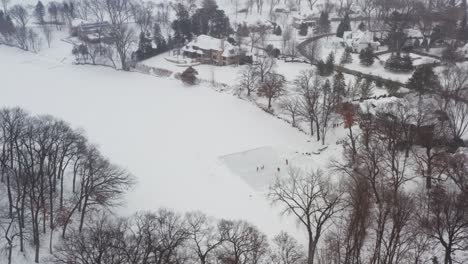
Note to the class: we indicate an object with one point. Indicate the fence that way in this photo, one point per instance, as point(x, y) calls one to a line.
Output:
point(152, 70)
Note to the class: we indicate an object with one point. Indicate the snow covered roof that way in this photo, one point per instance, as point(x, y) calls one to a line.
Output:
point(464, 49)
point(205, 42)
point(77, 21)
point(358, 37)
point(413, 33)
point(402, 106)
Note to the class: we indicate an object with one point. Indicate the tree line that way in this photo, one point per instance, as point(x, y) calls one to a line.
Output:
point(51, 176)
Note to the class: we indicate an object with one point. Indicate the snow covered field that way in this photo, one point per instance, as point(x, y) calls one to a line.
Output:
point(168, 135)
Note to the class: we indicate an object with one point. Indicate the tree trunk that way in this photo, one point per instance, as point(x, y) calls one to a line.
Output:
point(311, 249)
point(83, 212)
point(317, 128)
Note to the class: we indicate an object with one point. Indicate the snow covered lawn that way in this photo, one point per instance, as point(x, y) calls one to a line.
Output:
point(378, 69)
point(168, 135)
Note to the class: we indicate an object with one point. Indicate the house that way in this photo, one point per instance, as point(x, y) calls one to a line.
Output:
point(422, 129)
point(210, 50)
point(298, 20)
point(359, 40)
point(413, 37)
point(92, 32)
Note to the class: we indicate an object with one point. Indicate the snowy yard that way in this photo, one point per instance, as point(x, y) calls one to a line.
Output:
point(378, 69)
point(168, 135)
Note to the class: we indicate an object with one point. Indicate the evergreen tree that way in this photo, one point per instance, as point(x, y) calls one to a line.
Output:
point(324, 25)
point(53, 11)
point(366, 56)
point(450, 55)
point(219, 25)
point(397, 63)
point(392, 87)
point(346, 58)
point(321, 68)
point(6, 24)
point(329, 65)
point(209, 4)
point(189, 76)
point(145, 48)
point(278, 31)
point(159, 40)
point(344, 25)
point(39, 12)
point(211, 21)
point(303, 29)
point(424, 79)
point(182, 26)
point(243, 30)
point(362, 26)
point(339, 85)
point(366, 88)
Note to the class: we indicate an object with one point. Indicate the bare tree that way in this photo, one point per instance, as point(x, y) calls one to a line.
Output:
point(312, 198)
point(457, 113)
point(48, 33)
point(286, 250)
point(204, 236)
point(453, 80)
point(248, 79)
point(308, 86)
point(10, 231)
point(244, 243)
point(97, 243)
point(447, 220)
point(272, 87)
point(312, 4)
point(264, 66)
point(119, 13)
point(292, 108)
point(312, 52)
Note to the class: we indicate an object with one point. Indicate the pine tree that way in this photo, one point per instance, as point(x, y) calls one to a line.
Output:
point(145, 49)
point(423, 80)
point(189, 76)
point(366, 56)
point(159, 40)
point(391, 87)
point(346, 58)
point(339, 85)
point(39, 12)
point(450, 55)
point(329, 65)
point(209, 4)
point(278, 31)
point(324, 25)
point(303, 29)
point(182, 25)
point(344, 25)
point(362, 26)
point(322, 68)
point(397, 63)
point(366, 88)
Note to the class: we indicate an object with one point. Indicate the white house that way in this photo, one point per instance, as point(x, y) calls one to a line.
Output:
point(210, 50)
point(359, 40)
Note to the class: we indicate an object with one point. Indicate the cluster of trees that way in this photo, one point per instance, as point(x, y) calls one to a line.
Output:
point(254, 76)
point(51, 178)
point(206, 20)
point(326, 68)
point(146, 49)
point(447, 88)
point(398, 63)
point(165, 236)
point(366, 56)
point(398, 196)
